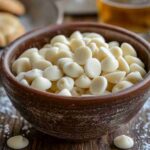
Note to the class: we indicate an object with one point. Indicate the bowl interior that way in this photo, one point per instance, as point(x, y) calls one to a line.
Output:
point(40, 37)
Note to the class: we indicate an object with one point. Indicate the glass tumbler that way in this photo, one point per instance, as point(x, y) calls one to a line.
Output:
point(133, 15)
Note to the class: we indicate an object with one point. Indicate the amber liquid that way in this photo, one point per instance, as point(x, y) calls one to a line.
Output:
point(131, 14)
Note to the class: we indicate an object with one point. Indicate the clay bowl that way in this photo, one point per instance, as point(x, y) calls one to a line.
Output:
point(75, 118)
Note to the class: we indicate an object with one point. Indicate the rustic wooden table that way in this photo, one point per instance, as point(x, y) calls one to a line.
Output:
point(11, 123)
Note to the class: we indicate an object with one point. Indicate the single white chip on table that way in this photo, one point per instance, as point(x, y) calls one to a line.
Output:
point(82, 64)
point(123, 142)
point(17, 142)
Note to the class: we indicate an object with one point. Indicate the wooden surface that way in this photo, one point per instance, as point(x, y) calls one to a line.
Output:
point(11, 123)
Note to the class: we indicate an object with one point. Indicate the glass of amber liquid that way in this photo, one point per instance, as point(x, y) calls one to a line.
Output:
point(133, 15)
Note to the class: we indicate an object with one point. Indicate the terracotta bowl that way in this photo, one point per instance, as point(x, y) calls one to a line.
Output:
point(75, 118)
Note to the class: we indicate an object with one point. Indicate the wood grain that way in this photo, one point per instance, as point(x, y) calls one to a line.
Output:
point(11, 123)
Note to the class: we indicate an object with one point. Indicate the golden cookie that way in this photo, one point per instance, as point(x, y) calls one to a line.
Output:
point(12, 6)
point(10, 28)
point(2, 40)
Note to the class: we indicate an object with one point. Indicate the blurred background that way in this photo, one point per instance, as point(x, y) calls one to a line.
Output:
point(133, 15)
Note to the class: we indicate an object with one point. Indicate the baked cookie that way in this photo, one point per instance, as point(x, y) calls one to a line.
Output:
point(10, 28)
point(12, 6)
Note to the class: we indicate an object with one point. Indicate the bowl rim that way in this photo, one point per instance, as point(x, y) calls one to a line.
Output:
point(144, 84)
